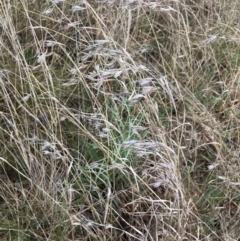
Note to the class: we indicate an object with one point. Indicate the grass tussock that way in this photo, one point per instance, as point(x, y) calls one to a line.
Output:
point(119, 120)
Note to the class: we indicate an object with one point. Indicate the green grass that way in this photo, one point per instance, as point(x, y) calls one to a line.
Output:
point(119, 120)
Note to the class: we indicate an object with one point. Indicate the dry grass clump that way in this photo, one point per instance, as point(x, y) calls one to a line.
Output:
point(119, 120)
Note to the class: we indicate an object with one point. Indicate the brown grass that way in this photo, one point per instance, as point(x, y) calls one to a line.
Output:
point(119, 120)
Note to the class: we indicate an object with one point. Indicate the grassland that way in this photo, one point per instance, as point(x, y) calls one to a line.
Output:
point(119, 120)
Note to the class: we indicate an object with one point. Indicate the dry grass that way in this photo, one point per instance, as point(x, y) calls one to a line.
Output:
point(119, 120)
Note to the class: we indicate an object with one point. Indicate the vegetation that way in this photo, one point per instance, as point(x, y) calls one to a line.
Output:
point(119, 120)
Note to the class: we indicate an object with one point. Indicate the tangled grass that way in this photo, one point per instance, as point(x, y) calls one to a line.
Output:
point(119, 120)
